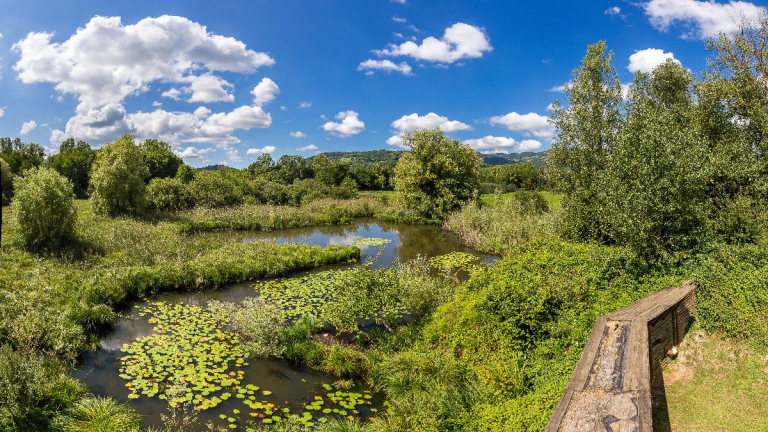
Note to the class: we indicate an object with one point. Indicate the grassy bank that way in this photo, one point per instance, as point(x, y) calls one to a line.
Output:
point(715, 384)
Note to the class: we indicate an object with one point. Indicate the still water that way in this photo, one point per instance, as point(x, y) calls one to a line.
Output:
point(290, 385)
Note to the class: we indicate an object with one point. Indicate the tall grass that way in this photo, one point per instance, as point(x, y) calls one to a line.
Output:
point(498, 228)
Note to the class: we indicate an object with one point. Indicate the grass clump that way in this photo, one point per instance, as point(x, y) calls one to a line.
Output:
point(499, 228)
point(100, 415)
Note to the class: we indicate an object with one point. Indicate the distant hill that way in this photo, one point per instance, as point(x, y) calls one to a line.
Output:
point(363, 157)
point(505, 159)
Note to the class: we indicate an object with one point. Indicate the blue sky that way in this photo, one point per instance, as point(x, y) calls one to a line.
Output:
point(225, 81)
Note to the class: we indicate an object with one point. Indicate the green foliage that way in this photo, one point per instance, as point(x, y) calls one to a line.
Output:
point(586, 127)
point(531, 202)
point(74, 162)
point(515, 176)
point(43, 206)
point(100, 415)
point(118, 178)
point(212, 189)
point(33, 390)
point(21, 156)
point(185, 173)
point(327, 171)
point(290, 168)
point(263, 165)
point(6, 183)
point(438, 175)
point(502, 226)
point(161, 161)
point(168, 194)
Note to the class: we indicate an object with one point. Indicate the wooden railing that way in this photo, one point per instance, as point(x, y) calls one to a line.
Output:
point(611, 387)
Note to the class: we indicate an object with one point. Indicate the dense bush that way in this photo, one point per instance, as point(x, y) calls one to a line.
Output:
point(261, 324)
point(514, 176)
point(74, 161)
point(6, 183)
point(33, 390)
point(168, 194)
point(118, 178)
point(211, 189)
point(531, 202)
point(21, 156)
point(438, 175)
point(44, 208)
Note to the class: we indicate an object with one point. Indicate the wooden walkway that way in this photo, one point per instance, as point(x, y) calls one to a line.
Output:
point(610, 389)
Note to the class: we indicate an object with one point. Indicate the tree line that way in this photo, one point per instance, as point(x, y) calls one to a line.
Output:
point(681, 164)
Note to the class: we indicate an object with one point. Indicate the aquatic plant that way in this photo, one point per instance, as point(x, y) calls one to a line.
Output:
point(454, 261)
point(371, 241)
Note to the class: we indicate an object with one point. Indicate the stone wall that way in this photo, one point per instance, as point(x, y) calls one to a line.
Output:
point(610, 389)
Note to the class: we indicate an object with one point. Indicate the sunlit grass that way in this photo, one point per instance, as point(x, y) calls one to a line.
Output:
point(553, 199)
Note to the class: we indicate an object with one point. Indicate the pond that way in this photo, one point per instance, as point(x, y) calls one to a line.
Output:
point(253, 390)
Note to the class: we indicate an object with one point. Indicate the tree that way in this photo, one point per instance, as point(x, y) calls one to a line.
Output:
point(161, 161)
point(185, 174)
point(6, 183)
point(74, 162)
point(21, 156)
point(263, 165)
point(655, 183)
point(44, 208)
point(118, 178)
point(437, 175)
point(291, 168)
point(586, 127)
point(327, 171)
point(733, 115)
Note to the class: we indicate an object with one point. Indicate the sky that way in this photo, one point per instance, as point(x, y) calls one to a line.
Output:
point(226, 81)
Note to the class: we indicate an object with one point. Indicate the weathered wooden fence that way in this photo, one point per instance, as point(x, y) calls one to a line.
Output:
point(610, 389)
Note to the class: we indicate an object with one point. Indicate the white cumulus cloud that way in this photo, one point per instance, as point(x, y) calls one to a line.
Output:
point(700, 19)
point(615, 10)
point(531, 124)
point(265, 149)
point(2, 110)
point(264, 92)
point(106, 61)
point(493, 144)
point(307, 148)
point(460, 41)
point(28, 127)
point(412, 122)
point(193, 153)
point(386, 66)
point(305, 104)
point(646, 60)
point(350, 124)
point(298, 134)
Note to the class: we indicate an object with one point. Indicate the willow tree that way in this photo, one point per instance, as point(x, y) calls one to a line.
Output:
point(586, 124)
point(438, 174)
point(118, 178)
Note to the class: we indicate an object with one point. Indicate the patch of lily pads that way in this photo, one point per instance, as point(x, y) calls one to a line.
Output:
point(193, 359)
point(305, 296)
point(455, 261)
point(371, 241)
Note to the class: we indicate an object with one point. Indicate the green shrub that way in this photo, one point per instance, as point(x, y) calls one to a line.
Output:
point(117, 178)
point(185, 174)
point(100, 415)
point(342, 360)
point(168, 194)
point(33, 390)
point(531, 202)
point(6, 183)
point(44, 208)
point(211, 189)
point(268, 192)
point(161, 161)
